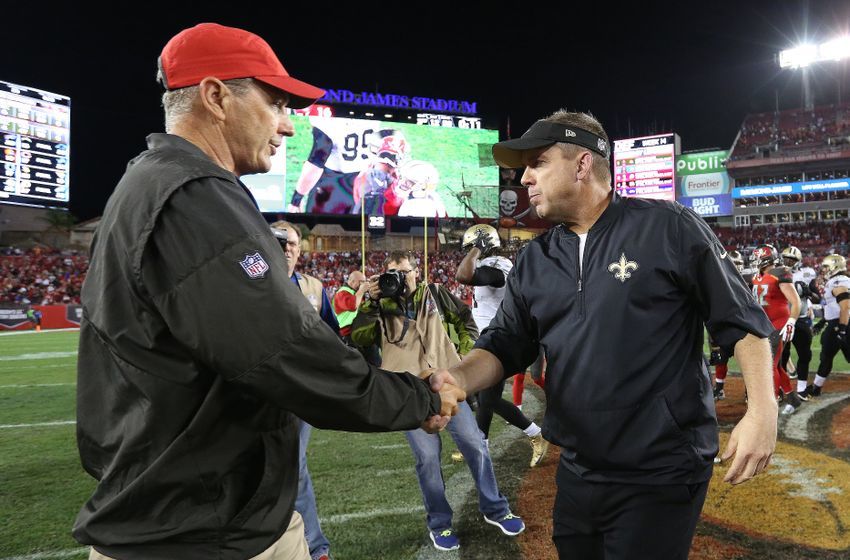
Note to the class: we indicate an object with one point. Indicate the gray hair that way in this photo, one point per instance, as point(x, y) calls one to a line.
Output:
point(178, 102)
point(600, 165)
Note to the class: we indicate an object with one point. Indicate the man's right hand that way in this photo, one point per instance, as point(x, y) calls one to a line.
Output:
point(450, 396)
point(374, 289)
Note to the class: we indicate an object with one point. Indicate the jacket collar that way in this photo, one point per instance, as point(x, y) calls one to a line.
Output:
point(165, 141)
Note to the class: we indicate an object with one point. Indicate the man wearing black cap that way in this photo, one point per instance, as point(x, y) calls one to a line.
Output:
point(618, 293)
point(197, 352)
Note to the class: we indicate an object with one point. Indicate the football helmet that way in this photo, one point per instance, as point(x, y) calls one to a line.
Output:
point(415, 175)
point(394, 150)
point(737, 259)
point(792, 256)
point(765, 256)
point(832, 265)
point(472, 234)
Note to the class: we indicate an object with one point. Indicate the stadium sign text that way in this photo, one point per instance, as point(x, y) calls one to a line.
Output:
point(394, 101)
point(792, 188)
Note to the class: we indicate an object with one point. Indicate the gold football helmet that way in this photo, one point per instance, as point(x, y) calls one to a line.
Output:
point(792, 256)
point(471, 235)
point(832, 265)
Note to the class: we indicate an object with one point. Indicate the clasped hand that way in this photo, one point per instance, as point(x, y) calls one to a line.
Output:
point(451, 395)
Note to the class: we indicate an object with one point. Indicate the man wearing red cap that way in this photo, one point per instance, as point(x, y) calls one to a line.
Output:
point(197, 352)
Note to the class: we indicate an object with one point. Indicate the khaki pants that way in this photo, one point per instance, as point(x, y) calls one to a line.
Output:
point(291, 546)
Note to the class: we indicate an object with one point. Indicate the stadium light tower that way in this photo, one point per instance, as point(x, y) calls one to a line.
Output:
point(807, 54)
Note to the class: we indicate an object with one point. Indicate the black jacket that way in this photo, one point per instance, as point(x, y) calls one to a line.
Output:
point(196, 353)
point(628, 395)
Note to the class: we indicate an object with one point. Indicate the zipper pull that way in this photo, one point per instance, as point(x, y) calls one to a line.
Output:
point(579, 284)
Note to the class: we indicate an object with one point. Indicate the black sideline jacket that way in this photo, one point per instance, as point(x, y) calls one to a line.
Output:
point(197, 352)
point(628, 395)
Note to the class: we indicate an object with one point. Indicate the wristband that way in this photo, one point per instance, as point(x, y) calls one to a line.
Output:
point(297, 197)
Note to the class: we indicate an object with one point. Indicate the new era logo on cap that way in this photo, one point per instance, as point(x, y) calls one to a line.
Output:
point(569, 133)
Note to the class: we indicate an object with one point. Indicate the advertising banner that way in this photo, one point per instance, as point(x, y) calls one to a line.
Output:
point(703, 184)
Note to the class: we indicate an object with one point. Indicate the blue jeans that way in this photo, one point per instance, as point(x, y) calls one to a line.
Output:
point(305, 503)
point(427, 449)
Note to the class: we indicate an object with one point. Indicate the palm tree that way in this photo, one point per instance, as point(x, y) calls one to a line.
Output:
point(59, 220)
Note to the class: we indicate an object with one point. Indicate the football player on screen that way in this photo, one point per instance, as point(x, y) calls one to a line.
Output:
point(342, 149)
point(773, 288)
point(417, 189)
point(374, 184)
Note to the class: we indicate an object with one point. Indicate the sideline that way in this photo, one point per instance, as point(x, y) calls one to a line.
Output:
point(18, 333)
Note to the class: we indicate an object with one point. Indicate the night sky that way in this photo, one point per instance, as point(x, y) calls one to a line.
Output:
point(695, 68)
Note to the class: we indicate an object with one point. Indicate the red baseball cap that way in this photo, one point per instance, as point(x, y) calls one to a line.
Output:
point(227, 53)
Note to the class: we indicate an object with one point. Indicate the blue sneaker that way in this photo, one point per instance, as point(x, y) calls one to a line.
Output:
point(444, 540)
point(511, 525)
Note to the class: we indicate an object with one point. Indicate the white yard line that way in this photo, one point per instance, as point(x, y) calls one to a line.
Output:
point(36, 385)
point(39, 356)
point(50, 554)
point(19, 333)
point(797, 426)
point(38, 425)
point(345, 517)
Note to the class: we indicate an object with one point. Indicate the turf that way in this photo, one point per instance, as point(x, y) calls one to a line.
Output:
point(367, 492)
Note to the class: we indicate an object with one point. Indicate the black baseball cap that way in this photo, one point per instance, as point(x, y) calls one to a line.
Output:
point(545, 133)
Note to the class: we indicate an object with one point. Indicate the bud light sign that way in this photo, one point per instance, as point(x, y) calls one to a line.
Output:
point(702, 183)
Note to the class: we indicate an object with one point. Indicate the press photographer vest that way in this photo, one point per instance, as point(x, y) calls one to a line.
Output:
point(312, 290)
point(423, 344)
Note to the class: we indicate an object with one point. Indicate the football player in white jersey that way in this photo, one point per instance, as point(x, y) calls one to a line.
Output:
point(804, 283)
point(342, 148)
point(836, 312)
point(417, 187)
point(488, 272)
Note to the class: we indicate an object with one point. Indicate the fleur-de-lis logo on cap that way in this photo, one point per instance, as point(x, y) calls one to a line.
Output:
point(621, 269)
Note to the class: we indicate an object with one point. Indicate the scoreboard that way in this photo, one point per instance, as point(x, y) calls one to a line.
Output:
point(645, 167)
point(35, 132)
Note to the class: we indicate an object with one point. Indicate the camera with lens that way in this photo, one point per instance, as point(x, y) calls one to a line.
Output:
point(392, 284)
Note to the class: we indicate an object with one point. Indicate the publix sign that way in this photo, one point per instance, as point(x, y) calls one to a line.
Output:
point(703, 184)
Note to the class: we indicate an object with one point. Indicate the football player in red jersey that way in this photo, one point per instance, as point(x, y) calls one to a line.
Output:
point(773, 288)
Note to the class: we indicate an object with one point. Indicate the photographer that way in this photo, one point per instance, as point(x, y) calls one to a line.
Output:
point(421, 326)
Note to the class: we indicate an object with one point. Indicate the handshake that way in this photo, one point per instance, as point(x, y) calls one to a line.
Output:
point(451, 395)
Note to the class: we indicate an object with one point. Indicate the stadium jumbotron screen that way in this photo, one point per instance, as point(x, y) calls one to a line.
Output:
point(644, 167)
point(392, 168)
point(35, 132)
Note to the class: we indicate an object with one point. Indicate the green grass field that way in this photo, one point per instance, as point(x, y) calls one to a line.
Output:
point(367, 492)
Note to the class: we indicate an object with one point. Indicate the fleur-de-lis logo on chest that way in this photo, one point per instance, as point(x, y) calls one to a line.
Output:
point(621, 269)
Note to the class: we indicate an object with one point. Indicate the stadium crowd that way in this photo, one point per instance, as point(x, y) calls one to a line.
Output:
point(814, 239)
point(41, 276)
point(793, 130)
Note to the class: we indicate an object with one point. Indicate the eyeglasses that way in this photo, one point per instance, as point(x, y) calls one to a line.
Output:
point(400, 270)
